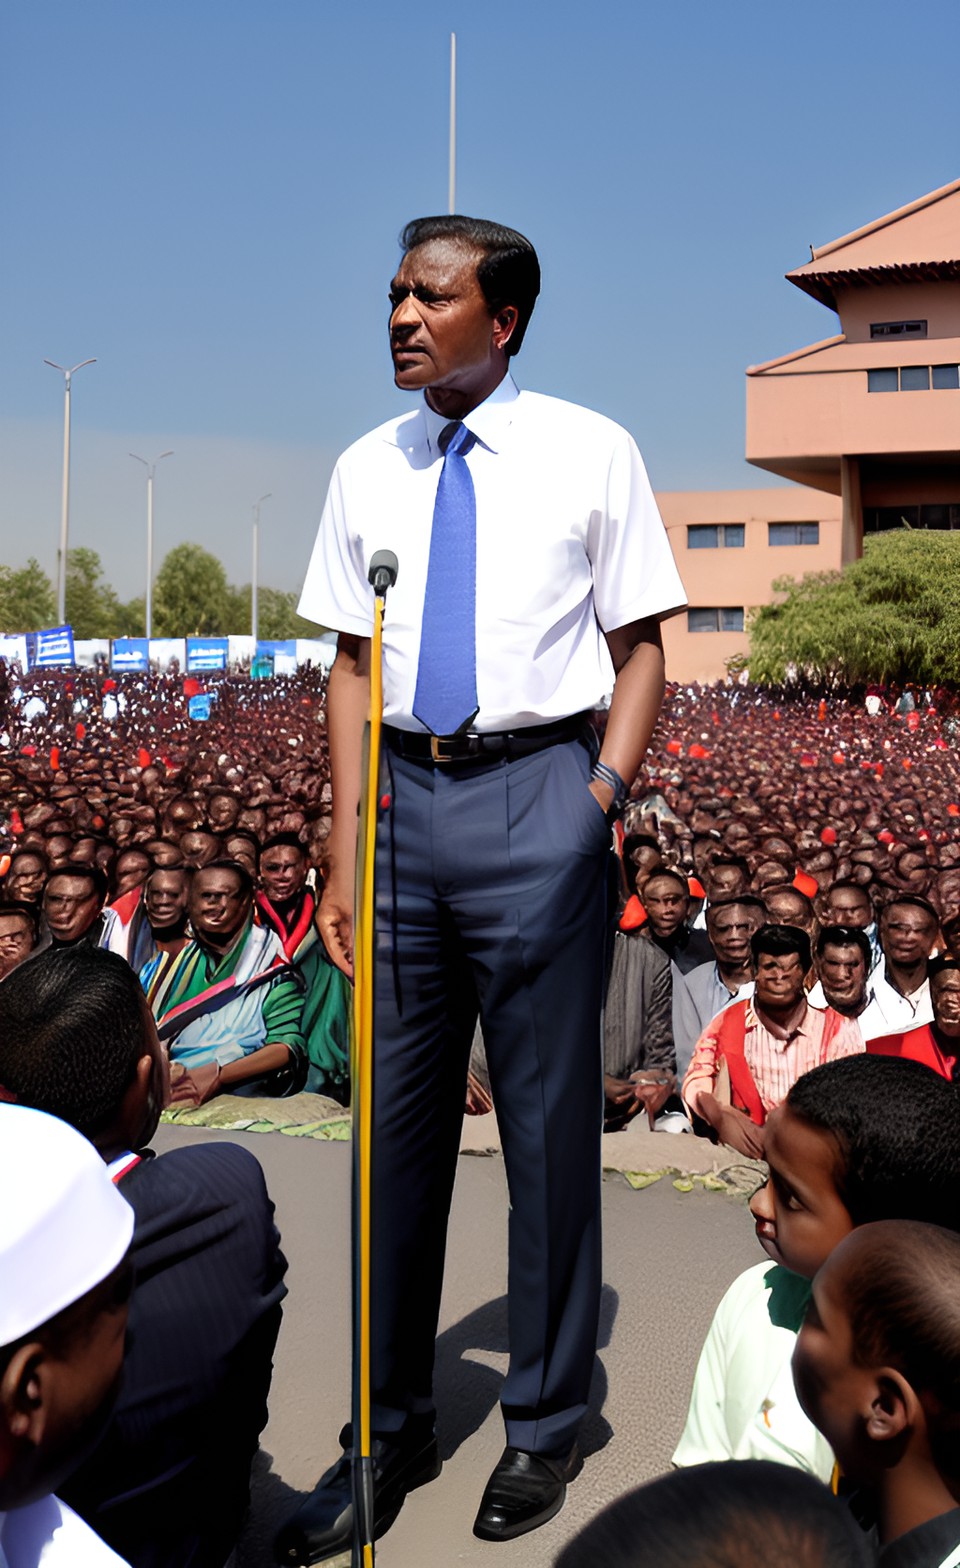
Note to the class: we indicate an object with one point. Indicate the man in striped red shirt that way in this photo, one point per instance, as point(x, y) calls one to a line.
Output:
point(750, 1055)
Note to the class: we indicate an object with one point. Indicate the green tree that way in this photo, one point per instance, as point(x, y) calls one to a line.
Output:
point(190, 596)
point(892, 616)
point(93, 609)
point(277, 617)
point(27, 602)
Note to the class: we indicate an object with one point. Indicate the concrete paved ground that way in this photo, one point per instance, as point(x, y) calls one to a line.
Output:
point(668, 1257)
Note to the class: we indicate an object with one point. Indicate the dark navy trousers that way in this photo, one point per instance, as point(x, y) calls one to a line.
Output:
point(491, 897)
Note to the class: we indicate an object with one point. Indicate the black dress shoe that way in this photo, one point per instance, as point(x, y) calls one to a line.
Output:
point(323, 1525)
point(524, 1491)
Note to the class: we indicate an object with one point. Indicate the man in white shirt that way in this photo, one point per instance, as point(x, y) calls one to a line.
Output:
point(899, 991)
point(65, 1276)
point(493, 837)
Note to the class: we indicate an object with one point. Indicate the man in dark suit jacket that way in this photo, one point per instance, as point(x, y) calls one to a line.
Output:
point(167, 1485)
point(639, 1060)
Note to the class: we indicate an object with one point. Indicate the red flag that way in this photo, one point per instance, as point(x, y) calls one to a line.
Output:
point(80, 730)
point(54, 757)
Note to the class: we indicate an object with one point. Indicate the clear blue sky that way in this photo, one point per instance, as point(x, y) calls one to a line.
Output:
point(206, 194)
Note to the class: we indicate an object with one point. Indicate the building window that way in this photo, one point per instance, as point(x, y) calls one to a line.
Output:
point(898, 329)
point(914, 378)
point(726, 619)
point(715, 536)
point(793, 533)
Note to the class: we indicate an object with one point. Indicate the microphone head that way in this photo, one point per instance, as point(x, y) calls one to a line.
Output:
point(383, 571)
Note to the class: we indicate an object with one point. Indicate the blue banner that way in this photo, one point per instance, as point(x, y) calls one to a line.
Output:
point(53, 647)
point(199, 707)
point(206, 653)
point(130, 653)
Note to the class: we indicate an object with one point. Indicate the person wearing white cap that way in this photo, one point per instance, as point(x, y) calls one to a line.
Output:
point(65, 1234)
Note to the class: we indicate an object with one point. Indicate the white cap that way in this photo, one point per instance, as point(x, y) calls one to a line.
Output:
point(63, 1225)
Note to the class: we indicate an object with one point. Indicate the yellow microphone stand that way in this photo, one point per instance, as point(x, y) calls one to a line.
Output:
point(382, 575)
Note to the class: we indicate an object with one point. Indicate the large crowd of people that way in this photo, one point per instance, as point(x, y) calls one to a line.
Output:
point(783, 978)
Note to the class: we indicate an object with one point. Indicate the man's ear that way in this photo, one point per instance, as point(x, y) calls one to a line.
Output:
point(504, 324)
point(24, 1394)
point(893, 1408)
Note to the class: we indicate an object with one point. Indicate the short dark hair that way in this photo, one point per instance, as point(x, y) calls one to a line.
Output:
point(735, 1513)
point(675, 876)
point(71, 1034)
point(284, 841)
point(508, 273)
point(89, 870)
point(247, 836)
point(845, 936)
point(935, 966)
point(735, 900)
point(779, 942)
point(896, 1128)
point(900, 1288)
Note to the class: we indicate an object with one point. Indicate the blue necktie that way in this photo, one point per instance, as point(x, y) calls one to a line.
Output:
point(446, 696)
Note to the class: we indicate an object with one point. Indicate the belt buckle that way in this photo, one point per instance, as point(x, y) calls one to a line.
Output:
point(436, 754)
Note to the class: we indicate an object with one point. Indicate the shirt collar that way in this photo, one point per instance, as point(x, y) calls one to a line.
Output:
point(796, 1024)
point(489, 421)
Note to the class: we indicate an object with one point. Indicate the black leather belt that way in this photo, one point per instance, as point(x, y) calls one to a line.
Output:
point(479, 747)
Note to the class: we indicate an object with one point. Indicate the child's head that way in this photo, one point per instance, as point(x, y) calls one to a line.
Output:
point(877, 1362)
point(64, 1282)
point(745, 1513)
point(860, 1139)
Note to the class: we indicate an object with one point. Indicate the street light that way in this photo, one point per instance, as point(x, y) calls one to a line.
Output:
point(65, 508)
point(151, 470)
point(256, 568)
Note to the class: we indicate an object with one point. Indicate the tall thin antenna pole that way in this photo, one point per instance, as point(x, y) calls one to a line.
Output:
point(452, 195)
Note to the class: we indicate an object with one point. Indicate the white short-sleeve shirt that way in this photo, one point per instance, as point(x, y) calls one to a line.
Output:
point(570, 543)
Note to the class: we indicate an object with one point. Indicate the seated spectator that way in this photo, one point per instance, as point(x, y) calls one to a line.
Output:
point(229, 1005)
point(64, 1242)
point(900, 998)
point(287, 905)
point(877, 1367)
point(744, 1514)
point(666, 899)
point(638, 1057)
point(843, 968)
point(857, 1140)
point(748, 1057)
point(18, 935)
point(168, 1482)
point(24, 882)
point(153, 918)
point(848, 904)
point(936, 1044)
point(711, 987)
point(73, 909)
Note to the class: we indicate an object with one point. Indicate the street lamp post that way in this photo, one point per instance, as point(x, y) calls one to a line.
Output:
point(256, 568)
point(151, 470)
point(65, 506)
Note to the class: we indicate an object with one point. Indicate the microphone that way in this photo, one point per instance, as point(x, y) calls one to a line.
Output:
point(383, 572)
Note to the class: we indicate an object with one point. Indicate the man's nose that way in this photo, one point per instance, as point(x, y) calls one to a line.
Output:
point(761, 1204)
point(405, 318)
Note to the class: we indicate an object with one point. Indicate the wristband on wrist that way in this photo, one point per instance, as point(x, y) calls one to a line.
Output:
point(608, 775)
